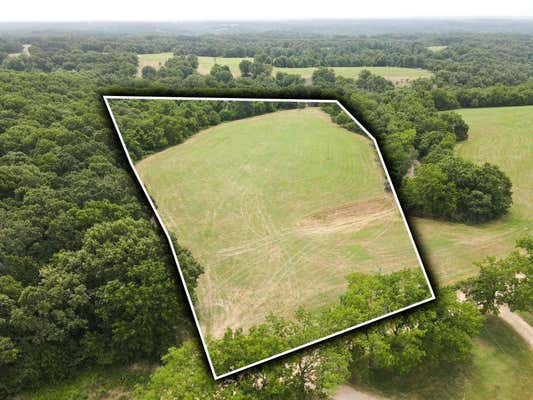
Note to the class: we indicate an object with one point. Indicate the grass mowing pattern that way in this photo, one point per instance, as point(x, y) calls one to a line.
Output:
point(279, 209)
point(502, 136)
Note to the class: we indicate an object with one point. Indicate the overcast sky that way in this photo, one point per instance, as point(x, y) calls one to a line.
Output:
point(190, 10)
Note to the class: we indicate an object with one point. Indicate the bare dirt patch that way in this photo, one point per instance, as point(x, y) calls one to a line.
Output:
point(350, 216)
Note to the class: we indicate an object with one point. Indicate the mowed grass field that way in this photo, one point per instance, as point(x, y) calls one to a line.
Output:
point(398, 75)
point(278, 208)
point(503, 136)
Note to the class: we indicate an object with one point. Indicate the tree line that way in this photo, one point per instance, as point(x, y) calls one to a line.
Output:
point(151, 126)
point(430, 337)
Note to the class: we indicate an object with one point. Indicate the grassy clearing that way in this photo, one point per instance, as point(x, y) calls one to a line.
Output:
point(156, 60)
point(206, 63)
point(398, 75)
point(279, 209)
point(114, 383)
point(436, 49)
point(25, 51)
point(502, 136)
point(501, 368)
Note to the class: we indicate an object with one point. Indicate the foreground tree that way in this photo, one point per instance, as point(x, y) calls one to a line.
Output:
point(504, 281)
point(311, 374)
point(457, 189)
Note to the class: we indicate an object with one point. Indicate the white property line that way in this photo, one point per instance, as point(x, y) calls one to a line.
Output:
point(432, 297)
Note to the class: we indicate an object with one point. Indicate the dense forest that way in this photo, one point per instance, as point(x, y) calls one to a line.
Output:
point(86, 278)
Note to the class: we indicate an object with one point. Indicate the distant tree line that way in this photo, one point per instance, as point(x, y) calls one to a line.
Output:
point(468, 60)
point(491, 96)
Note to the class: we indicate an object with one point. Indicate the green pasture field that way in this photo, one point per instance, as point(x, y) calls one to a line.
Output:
point(503, 136)
point(398, 75)
point(278, 208)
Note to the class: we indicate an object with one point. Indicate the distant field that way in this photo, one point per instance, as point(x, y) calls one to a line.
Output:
point(279, 209)
point(503, 136)
point(398, 75)
point(206, 63)
point(156, 60)
point(25, 51)
point(436, 49)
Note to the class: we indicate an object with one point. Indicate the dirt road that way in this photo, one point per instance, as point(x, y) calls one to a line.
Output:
point(518, 323)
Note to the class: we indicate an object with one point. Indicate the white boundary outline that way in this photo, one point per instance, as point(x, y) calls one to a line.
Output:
point(215, 376)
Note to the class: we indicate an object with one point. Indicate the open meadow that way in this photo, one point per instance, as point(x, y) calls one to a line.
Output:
point(502, 136)
point(398, 75)
point(278, 208)
point(206, 63)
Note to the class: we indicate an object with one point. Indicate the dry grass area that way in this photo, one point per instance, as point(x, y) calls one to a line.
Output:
point(155, 60)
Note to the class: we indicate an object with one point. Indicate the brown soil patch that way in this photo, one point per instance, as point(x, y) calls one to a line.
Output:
point(350, 216)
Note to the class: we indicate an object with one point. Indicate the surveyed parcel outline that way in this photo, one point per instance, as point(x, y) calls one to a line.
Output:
point(175, 257)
